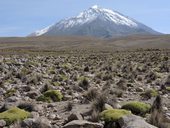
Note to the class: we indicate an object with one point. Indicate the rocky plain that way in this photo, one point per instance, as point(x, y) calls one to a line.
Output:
point(118, 89)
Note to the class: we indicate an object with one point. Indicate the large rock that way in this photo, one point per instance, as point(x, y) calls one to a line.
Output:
point(107, 107)
point(41, 122)
point(132, 121)
point(82, 124)
point(74, 116)
point(2, 123)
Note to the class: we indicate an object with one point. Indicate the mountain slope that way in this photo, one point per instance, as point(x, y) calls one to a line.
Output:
point(98, 22)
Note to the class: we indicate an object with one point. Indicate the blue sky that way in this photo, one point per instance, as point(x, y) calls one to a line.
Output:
point(22, 17)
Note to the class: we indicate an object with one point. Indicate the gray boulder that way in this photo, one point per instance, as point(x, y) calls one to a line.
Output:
point(41, 122)
point(74, 116)
point(82, 124)
point(132, 121)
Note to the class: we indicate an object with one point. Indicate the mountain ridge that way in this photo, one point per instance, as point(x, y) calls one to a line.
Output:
point(97, 22)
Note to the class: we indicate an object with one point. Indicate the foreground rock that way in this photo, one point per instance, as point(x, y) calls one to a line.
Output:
point(2, 123)
point(132, 121)
point(74, 116)
point(41, 122)
point(82, 124)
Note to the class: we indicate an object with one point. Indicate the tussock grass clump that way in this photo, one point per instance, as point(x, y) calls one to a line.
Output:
point(95, 116)
point(10, 92)
point(27, 106)
point(14, 114)
point(44, 99)
point(112, 115)
point(44, 88)
point(51, 96)
point(34, 79)
point(69, 106)
point(97, 107)
point(151, 76)
point(122, 84)
point(84, 83)
point(137, 108)
point(91, 94)
point(99, 103)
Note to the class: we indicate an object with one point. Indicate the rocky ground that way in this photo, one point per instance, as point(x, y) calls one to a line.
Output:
point(78, 89)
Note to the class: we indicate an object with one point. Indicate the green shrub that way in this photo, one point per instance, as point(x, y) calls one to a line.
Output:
point(137, 108)
point(150, 93)
point(51, 95)
point(44, 99)
point(113, 115)
point(14, 114)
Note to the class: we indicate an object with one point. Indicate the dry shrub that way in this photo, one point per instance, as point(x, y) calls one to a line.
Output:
point(69, 106)
point(91, 94)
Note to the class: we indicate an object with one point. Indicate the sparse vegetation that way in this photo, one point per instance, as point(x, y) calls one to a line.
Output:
point(98, 103)
point(91, 94)
point(10, 92)
point(51, 96)
point(86, 83)
point(137, 108)
point(14, 114)
point(113, 115)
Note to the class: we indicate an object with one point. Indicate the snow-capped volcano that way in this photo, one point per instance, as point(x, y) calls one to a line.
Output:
point(96, 21)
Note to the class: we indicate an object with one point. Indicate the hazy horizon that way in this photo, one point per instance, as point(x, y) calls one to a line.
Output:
point(20, 18)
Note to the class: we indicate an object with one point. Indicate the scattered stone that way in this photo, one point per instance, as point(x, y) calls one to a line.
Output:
point(74, 116)
point(41, 122)
point(140, 89)
point(57, 117)
point(34, 115)
point(107, 107)
point(82, 124)
point(52, 116)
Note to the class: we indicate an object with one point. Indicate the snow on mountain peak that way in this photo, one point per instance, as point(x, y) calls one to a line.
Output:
point(95, 7)
point(42, 31)
point(105, 14)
